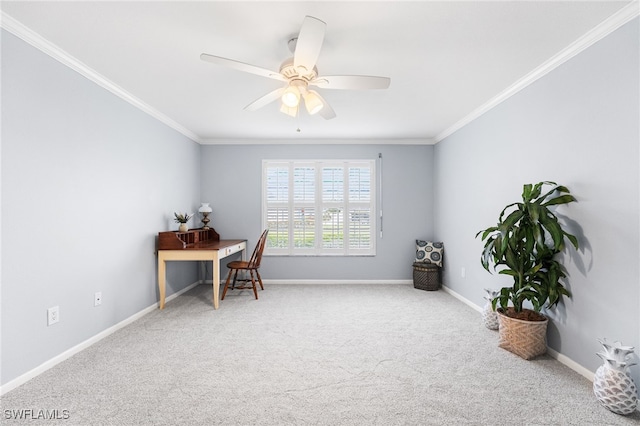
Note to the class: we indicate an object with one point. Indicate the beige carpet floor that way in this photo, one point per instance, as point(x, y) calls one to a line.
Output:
point(309, 355)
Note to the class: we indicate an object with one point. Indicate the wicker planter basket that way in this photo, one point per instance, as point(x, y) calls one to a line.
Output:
point(426, 276)
point(527, 339)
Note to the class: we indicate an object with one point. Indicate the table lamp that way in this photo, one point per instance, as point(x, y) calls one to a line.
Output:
point(205, 209)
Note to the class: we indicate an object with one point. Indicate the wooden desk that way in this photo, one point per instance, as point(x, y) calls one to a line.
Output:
point(193, 245)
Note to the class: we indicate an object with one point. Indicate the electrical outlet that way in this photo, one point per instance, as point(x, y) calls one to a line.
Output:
point(53, 315)
point(97, 299)
point(463, 272)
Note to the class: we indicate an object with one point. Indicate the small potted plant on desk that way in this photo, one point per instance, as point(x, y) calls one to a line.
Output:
point(524, 244)
point(182, 219)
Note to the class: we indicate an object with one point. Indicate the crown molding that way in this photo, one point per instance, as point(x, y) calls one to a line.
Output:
point(615, 21)
point(399, 141)
point(36, 40)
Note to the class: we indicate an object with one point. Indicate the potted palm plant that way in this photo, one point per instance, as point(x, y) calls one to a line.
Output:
point(524, 245)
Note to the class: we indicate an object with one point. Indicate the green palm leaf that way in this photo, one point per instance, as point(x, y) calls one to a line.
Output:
point(525, 241)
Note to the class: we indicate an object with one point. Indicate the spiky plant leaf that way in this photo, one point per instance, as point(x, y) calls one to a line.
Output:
point(562, 199)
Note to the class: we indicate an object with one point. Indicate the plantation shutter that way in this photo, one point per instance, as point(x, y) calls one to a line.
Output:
point(319, 208)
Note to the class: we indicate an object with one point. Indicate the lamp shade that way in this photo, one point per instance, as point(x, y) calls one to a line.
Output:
point(312, 102)
point(291, 96)
point(205, 208)
point(292, 111)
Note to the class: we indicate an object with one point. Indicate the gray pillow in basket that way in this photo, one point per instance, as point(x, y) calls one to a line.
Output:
point(429, 252)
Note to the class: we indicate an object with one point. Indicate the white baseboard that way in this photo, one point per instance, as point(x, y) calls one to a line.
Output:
point(332, 282)
point(20, 380)
point(562, 359)
point(462, 299)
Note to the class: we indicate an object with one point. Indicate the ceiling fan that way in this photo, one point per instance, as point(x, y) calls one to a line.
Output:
point(300, 72)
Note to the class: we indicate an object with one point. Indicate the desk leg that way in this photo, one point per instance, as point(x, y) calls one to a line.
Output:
point(216, 280)
point(162, 278)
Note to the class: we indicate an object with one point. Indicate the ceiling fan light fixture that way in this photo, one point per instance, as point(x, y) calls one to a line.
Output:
point(312, 102)
point(301, 71)
point(291, 97)
point(291, 111)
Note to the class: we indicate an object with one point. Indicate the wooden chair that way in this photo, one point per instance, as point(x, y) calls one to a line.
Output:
point(250, 266)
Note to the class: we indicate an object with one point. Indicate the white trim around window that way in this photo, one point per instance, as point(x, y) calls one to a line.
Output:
point(319, 207)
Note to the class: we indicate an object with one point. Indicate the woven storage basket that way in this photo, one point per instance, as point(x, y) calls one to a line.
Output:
point(527, 339)
point(426, 276)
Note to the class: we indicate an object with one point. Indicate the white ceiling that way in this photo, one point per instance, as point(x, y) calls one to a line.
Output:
point(447, 60)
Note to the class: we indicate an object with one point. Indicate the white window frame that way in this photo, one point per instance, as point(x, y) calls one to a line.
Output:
point(318, 205)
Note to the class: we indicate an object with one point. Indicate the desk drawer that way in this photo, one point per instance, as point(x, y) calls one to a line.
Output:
point(234, 249)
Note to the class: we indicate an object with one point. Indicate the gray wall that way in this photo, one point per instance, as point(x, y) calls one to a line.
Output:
point(87, 182)
point(231, 182)
point(577, 126)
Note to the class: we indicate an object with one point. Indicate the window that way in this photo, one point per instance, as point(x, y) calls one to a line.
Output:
point(319, 208)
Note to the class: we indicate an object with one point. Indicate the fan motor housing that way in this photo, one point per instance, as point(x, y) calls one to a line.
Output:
point(290, 72)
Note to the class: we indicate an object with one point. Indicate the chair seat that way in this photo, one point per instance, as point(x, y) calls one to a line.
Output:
point(238, 264)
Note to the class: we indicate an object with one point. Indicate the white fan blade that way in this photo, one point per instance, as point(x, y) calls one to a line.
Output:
point(309, 43)
point(241, 66)
point(351, 82)
point(326, 112)
point(266, 99)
